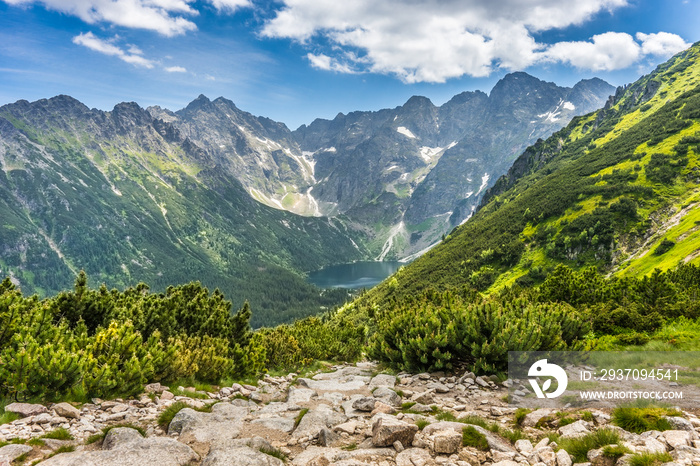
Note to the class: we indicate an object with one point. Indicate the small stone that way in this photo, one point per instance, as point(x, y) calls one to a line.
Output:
point(325, 437)
point(563, 458)
point(426, 398)
point(347, 427)
point(574, 430)
point(380, 407)
point(387, 430)
point(398, 446)
point(154, 388)
point(677, 438)
point(523, 446)
point(66, 410)
point(480, 381)
point(364, 404)
point(447, 442)
point(166, 396)
point(42, 418)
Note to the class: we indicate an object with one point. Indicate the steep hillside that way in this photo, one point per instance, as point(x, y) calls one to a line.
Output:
point(412, 173)
point(617, 189)
point(128, 197)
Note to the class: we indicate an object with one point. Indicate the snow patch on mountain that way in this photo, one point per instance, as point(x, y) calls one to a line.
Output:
point(406, 132)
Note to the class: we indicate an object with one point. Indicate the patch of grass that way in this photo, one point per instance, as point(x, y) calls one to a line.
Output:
point(445, 416)
point(36, 442)
point(650, 459)
point(349, 447)
point(474, 420)
point(95, 438)
point(615, 451)
point(274, 452)
point(512, 435)
point(642, 418)
point(58, 434)
point(422, 423)
point(21, 458)
point(579, 447)
point(587, 416)
point(473, 438)
point(300, 416)
point(7, 418)
point(407, 405)
point(565, 421)
point(520, 414)
point(169, 413)
point(63, 449)
point(193, 395)
point(400, 393)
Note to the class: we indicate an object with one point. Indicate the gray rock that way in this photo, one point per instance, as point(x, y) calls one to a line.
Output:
point(239, 456)
point(325, 437)
point(495, 442)
point(42, 418)
point(300, 395)
point(523, 446)
point(438, 387)
point(316, 419)
point(563, 458)
point(154, 388)
point(574, 430)
point(481, 382)
point(332, 385)
point(427, 397)
point(685, 454)
point(679, 423)
point(413, 457)
point(66, 410)
point(364, 404)
point(677, 438)
point(388, 396)
point(25, 409)
point(398, 446)
point(13, 451)
point(382, 380)
point(130, 449)
point(447, 442)
point(531, 419)
point(387, 430)
point(280, 423)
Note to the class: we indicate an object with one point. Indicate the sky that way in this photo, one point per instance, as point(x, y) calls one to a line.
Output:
point(297, 60)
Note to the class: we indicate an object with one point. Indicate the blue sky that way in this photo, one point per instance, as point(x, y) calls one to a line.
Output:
point(296, 60)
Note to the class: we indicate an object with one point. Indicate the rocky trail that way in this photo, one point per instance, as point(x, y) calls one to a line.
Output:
point(351, 416)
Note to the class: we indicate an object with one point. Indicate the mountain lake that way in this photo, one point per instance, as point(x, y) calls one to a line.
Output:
point(363, 274)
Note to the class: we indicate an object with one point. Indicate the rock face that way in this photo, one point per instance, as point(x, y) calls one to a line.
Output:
point(310, 427)
point(428, 162)
point(25, 409)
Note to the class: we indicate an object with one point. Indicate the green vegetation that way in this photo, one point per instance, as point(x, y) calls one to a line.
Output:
point(615, 451)
point(650, 459)
point(58, 434)
point(579, 447)
point(642, 418)
point(274, 453)
point(300, 416)
point(100, 343)
point(422, 423)
point(473, 438)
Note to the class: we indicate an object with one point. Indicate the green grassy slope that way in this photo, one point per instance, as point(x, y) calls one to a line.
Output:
point(617, 189)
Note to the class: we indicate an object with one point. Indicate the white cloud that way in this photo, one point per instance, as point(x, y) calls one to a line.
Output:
point(175, 69)
point(106, 47)
point(608, 51)
point(324, 62)
point(435, 40)
point(230, 5)
point(166, 17)
point(661, 44)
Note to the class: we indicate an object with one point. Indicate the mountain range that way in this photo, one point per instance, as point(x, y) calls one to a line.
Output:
point(617, 190)
point(242, 203)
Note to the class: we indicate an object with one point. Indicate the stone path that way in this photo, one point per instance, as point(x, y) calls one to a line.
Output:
point(350, 416)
